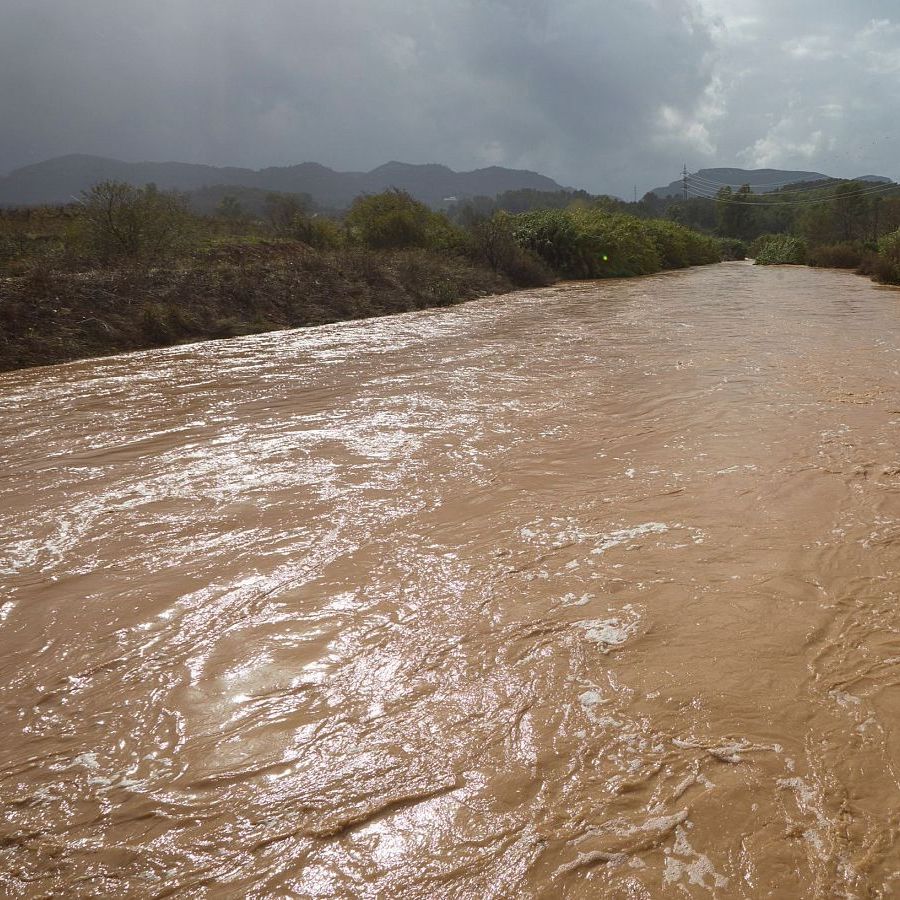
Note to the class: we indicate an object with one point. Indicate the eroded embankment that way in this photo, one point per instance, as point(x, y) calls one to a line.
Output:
point(54, 316)
point(591, 591)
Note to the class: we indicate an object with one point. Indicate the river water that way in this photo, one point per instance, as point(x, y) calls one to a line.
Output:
point(584, 592)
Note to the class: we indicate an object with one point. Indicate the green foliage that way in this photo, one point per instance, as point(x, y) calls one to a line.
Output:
point(886, 265)
point(394, 220)
point(594, 243)
point(318, 233)
point(695, 212)
point(389, 221)
point(850, 208)
point(733, 248)
point(442, 236)
point(122, 221)
point(679, 247)
point(735, 212)
point(493, 243)
point(288, 217)
point(779, 250)
point(515, 202)
point(554, 237)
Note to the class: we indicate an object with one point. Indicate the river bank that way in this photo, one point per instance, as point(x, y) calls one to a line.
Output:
point(50, 316)
point(132, 269)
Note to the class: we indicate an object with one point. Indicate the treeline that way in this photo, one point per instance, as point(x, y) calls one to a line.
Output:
point(530, 239)
point(129, 268)
point(834, 224)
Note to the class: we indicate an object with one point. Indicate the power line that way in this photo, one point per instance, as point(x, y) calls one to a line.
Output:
point(811, 186)
point(738, 202)
point(746, 201)
point(775, 184)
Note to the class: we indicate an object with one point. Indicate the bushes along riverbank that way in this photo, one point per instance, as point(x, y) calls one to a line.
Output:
point(131, 268)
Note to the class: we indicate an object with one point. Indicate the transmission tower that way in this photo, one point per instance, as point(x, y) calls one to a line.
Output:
point(684, 182)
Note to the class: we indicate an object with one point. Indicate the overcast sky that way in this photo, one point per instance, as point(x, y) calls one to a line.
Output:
point(600, 94)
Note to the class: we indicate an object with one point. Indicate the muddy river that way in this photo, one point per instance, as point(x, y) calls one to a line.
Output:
point(583, 592)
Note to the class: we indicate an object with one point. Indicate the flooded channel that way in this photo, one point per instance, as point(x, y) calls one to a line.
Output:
point(585, 592)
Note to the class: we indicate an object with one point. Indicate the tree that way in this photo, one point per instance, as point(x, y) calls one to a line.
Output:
point(230, 208)
point(282, 210)
point(849, 209)
point(121, 220)
point(389, 221)
point(735, 212)
point(493, 241)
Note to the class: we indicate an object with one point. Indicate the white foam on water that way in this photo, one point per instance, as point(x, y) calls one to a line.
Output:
point(696, 868)
point(612, 632)
point(607, 631)
point(590, 698)
point(88, 760)
point(571, 599)
point(624, 535)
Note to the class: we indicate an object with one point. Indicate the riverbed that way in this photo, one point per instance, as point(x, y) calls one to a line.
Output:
point(590, 591)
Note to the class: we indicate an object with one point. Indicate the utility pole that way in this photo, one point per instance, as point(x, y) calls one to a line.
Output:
point(684, 183)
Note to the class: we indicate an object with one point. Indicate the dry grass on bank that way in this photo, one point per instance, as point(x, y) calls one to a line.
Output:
point(49, 316)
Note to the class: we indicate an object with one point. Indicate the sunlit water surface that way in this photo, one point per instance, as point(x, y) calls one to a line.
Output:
point(585, 592)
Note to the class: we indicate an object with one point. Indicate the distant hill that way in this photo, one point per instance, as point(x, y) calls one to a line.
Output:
point(762, 181)
point(62, 179)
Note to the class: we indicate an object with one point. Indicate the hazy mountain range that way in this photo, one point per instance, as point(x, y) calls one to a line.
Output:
point(62, 179)
point(706, 182)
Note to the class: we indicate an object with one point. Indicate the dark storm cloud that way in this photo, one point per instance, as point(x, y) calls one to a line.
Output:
point(596, 94)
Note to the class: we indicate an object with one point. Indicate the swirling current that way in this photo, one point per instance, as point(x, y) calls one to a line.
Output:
point(591, 591)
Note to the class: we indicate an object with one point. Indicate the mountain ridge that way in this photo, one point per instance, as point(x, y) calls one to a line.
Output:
point(63, 178)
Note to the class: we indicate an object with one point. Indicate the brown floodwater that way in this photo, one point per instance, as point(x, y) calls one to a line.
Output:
point(583, 592)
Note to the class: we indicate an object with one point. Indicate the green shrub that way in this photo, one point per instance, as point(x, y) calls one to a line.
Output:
point(885, 265)
point(679, 247)
point(591, 242)
point(732, 248)
point(318, 233)
point(779, 250)
point(389, 221)
point(756, 246)
point(442, 236)
point(552, 236)
point(848, 255)
point(493, 243)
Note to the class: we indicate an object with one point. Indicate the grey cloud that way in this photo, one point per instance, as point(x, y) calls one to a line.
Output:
point(596, 94)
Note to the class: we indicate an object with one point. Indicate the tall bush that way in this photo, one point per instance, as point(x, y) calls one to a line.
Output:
point(493, 242)
point(886, 265)
point(120, 220)
point(390, 221)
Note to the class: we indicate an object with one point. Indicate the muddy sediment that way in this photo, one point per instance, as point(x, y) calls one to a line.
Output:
point(585, 592)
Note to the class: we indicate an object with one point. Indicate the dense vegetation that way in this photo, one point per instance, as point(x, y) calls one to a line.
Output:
point(835, 224)
point(831, 223)
point(592, 243)
point(779, 250)
point(128, 267)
